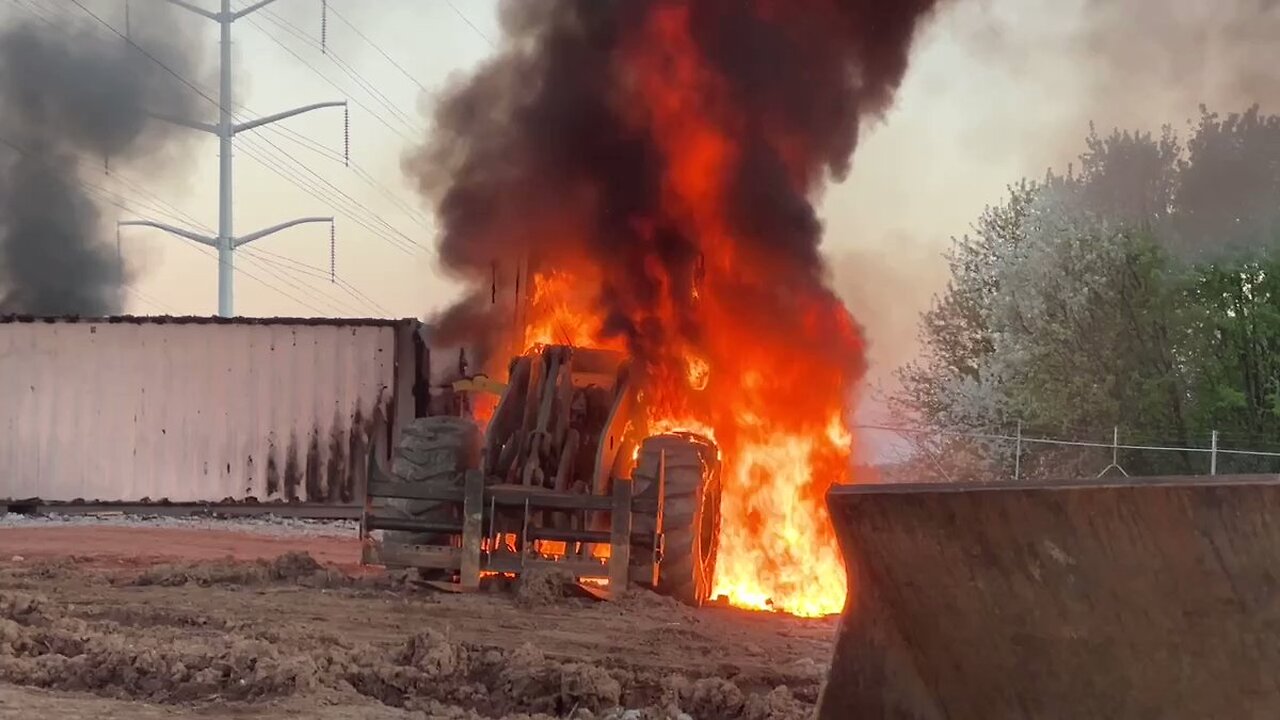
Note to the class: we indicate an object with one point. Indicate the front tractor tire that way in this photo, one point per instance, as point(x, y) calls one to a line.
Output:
point(436, 452)
point(691, 512)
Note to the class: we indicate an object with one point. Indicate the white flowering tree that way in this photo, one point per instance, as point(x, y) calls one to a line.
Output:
point(1133, 292)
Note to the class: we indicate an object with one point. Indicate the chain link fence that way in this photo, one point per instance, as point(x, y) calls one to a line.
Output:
point(949, 456)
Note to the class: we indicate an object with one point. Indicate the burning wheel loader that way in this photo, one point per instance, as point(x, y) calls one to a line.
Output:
point(561, 478)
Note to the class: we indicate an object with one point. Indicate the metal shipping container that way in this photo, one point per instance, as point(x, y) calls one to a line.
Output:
point(198, 409)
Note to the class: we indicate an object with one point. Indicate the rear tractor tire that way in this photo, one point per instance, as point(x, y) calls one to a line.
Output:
point(691, 512)
point(436, 452)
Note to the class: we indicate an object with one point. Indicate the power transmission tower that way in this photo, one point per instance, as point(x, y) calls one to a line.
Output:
point(226, 242)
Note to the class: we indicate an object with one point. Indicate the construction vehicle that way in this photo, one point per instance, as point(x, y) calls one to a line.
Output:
point(1101, 598)
point(562, 477)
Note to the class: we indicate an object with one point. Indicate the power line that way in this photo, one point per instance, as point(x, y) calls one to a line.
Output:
point(299, 138)
point(343, 65)
point(313, 189)
point(149, 300)
point(376, 115)
point(351, 208)
point(378, 48)
point(307, 143)
point(225, 131)
point(365, 84)
point(472, 25)
point(146, 54)
point(121, 202)
point(317, 187)
point(270, 268)
point(166, 211)
point(302, 268)
point(34, 10)
point(357, 169)
point(207, 96)
point(415, 215)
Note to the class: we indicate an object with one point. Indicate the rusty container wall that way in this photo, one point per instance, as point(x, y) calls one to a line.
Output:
point(132, 409)
point(1157, 599)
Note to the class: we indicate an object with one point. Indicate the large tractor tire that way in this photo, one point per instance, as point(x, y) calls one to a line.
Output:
point(691, 512)
point(434, 451)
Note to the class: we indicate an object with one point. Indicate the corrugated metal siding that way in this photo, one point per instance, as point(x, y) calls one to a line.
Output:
point(190, 411)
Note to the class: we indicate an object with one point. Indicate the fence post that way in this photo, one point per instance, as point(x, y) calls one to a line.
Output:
point(1213, 454)
point(1017, 455)
point(1115, 446)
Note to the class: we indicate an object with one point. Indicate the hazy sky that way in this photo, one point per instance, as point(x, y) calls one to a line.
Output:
point(999, 89)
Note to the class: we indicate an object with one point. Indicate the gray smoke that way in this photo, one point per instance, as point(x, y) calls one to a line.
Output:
point(1005, 89)
point(73, 101)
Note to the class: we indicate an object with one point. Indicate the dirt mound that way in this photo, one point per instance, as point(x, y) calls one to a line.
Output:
point(715, 698)
point(293, 565)
point(540, 587)
point(431, 669)
point(41, 647)
point(642, 599)
point(145, 616)
point(779, 704)
point(296, 567)
point(527, 679)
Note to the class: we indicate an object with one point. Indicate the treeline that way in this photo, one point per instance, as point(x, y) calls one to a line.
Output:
point(1139, 290)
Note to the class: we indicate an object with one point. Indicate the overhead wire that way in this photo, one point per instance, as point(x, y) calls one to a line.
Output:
point(349, 70)
point(324, 190)
point(378, 48)
point(206, 96)
point(317, 272)
point(361, 81)
point(405, 245)
point(369, 216)
point(128, 205)
point(115, 201)
point(146, 54)
point(150, 300)
point(123, 204)
point(380, 117)
point(359, 170)
point(470, 24)
point(123, 201)
point(34, 10)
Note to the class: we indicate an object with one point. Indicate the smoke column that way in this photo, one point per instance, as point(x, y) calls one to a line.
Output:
point(72, 101)
point(563, 146)
point(656, 163)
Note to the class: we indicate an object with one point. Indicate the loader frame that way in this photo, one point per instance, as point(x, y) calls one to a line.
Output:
point(476, 548)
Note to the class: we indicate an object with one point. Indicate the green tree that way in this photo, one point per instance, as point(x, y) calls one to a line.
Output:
point(1232, 350)
point(1227, 203)
point(1131, 292)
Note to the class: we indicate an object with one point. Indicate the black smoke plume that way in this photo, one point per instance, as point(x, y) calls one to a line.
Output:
point(75, 101)
point(547, 151)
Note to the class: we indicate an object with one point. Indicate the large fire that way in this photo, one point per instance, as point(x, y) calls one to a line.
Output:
point(777, 547)
point(648, 168)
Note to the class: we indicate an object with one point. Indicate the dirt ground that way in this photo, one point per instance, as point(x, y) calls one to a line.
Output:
point(176, 622)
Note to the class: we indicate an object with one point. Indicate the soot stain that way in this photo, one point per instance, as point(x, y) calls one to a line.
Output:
point(311, 471)
point(292, 472)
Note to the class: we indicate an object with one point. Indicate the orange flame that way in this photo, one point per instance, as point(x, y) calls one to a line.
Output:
point(555, 316)
point(768, 372)
point(777, 547)
point(774, 397)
